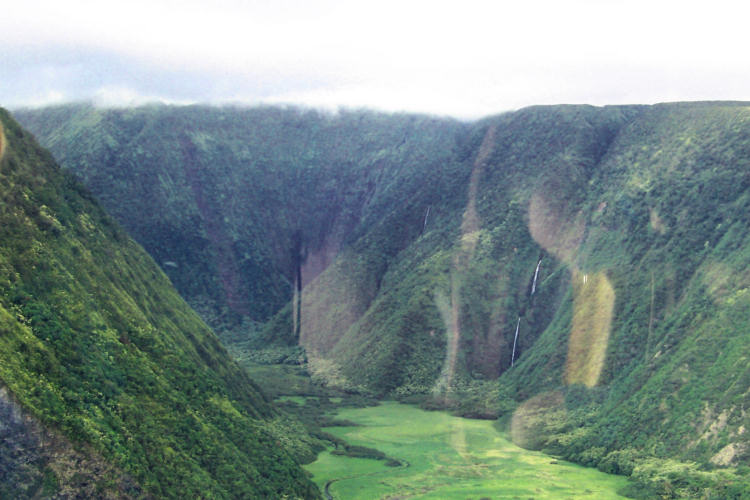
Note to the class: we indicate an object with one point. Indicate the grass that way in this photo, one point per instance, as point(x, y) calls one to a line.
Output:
point(300, 400)
point(282, 380)
point(2, 142)
point(592, 321)
point(448, 457)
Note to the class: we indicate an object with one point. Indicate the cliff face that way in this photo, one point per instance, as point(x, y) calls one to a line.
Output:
point(230, 202)
point(38, 463)
point(113, 370)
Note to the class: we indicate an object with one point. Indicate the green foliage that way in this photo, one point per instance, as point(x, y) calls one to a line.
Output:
point(360, 452)
point(96, 344)
point(653, 199)
point(655, 478)
point(209, 191)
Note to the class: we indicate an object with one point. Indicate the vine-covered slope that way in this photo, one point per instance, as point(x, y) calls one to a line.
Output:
point(107, 374)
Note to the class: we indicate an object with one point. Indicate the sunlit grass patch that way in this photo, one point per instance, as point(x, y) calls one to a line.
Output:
point(300, 400)
point(3, 142)
point(594, 300)
point(448, 457)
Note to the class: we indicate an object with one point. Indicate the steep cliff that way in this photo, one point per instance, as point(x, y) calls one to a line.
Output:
point(117, 385)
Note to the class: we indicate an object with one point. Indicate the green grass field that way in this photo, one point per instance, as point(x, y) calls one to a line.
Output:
point(448, 457)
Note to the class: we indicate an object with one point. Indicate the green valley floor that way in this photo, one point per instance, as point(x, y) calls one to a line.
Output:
point(447, 457)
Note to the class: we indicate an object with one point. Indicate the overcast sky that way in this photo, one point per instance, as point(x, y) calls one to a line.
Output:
point(461, 58)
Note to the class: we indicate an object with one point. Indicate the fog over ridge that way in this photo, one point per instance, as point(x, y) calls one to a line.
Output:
point(466, 60)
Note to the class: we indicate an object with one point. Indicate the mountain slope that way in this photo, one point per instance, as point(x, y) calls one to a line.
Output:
point(665, 226)
point(234, 204)
point(100, 351)
point(581, 271)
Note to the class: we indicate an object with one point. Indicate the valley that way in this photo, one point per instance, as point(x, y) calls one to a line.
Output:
point(577, 275)
point(447, 457)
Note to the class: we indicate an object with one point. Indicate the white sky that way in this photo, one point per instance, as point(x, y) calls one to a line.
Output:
point(462, 58)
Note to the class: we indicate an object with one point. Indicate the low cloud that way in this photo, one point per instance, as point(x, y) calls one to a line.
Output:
point(465, 60)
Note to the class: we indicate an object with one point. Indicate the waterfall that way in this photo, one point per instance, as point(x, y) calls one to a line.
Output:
point(536, 275)
point(298, 306)
point(298, 257)
point(518, 323)
point(426, 214)
point(515, 339)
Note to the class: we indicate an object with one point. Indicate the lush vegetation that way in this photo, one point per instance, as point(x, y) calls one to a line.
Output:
point(97, 345)
point(417, 241)
point(441, 456)
point(230, 202)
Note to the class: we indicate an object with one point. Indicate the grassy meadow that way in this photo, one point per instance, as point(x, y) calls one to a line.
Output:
point(447, 457)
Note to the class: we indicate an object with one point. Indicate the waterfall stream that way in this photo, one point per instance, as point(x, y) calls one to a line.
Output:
point(426, 214)
point(515, 339)
point(518, 323)
point(536, 274)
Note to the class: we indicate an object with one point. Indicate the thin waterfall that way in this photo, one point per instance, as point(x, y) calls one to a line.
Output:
point(298, 306)
point(297, 259)
point(518, 323)
point(295, 331)
point(515, 339)
point(426, 215)
point(536, 275)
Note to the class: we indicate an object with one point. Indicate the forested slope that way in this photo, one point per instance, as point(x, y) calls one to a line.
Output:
point(111, 386)
point(582, 271)
point(232, 203)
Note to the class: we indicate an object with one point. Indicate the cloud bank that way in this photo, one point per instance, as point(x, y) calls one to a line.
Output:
point(464, 59)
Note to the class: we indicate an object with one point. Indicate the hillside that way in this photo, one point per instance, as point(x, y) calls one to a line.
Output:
point(110, 385)
point(232, 202)
point(579, 271)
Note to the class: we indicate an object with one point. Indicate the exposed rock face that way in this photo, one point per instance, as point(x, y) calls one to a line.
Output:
point(36, 463)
